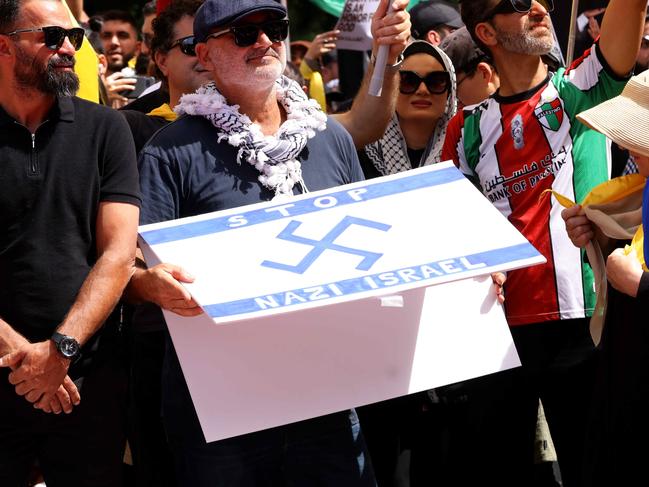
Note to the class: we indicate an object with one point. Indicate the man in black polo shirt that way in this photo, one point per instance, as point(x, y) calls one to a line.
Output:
point(68, 212)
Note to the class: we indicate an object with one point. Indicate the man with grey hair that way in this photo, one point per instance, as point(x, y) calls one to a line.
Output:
point(69, 198)
point(296, 147)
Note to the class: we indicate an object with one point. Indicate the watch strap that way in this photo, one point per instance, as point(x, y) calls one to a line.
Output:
point(57, 338)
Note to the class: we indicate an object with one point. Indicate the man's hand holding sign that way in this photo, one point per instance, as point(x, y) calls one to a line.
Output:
point(310, 270)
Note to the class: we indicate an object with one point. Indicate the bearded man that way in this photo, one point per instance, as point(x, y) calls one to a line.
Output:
point(69, 206)
point(517, 144)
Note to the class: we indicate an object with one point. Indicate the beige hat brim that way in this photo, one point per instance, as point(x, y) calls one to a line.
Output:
point(622, 120)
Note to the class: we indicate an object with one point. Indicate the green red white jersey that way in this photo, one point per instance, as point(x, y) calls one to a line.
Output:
point(516, 147)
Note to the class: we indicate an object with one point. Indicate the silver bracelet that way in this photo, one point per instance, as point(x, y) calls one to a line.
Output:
point(389, 67)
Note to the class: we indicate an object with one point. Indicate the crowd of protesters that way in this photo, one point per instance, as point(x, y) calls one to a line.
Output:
point(206, 107)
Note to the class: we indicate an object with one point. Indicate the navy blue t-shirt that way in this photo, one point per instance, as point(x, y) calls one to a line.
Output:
point(184, 171)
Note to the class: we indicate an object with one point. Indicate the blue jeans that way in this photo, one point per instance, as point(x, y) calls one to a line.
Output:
point(325, 451)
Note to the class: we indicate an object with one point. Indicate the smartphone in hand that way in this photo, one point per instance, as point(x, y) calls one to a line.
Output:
point(141, 84)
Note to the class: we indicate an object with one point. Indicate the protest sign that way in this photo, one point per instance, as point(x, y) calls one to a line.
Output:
point(324, 302)
point(354, 25)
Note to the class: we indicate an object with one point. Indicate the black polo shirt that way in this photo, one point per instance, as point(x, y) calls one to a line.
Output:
point(51, 184)
point(142, 126)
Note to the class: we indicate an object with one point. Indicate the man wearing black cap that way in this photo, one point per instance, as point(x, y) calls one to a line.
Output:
point(476, 78)
point(215, 159)
point(433, 20)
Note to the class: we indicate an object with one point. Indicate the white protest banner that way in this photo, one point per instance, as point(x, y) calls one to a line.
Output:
point(297, 320)
point(354, 25)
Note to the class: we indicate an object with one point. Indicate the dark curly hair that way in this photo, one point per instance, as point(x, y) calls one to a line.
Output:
point(164, 24)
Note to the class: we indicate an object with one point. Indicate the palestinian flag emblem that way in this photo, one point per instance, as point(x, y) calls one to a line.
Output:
point(550, 114)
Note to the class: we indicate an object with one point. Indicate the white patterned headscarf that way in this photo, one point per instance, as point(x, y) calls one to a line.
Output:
point(389, 154)
point(275, 157)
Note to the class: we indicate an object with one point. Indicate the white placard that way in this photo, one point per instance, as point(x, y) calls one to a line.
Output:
point(355, 25)
point(323, 302)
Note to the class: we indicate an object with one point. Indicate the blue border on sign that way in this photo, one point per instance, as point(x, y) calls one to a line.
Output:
point(426, 273)
point(303, 206)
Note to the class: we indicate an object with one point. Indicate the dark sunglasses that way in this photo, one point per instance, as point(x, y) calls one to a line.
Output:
point(54, 36)
point(186, 44)
point(517, 6)
point(247, 35)
point(437, 82)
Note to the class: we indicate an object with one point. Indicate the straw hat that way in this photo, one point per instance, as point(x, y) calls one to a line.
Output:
point(625, 118)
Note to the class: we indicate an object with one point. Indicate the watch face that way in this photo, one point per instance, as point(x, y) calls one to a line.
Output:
point(69, 347)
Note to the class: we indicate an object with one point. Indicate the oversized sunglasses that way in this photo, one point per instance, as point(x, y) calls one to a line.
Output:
point(186, 44)
point(54, 36)
point(516, 6)
point(437, 82)
point(247, 35)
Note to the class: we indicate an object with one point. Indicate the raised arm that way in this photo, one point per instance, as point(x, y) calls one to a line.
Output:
point(369, 115)
point(621, 33)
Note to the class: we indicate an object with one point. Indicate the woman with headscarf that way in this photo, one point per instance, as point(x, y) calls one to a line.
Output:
point(402, 434)
point(425, 104)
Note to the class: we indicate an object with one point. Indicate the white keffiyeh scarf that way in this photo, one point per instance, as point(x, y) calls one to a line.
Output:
point(389, 154)
point(275, 157)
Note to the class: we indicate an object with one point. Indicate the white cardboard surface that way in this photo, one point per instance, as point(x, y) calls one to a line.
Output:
point(354, 25)
point(372, 333)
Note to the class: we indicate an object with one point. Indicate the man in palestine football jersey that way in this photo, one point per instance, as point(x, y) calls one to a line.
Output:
point(514, 145)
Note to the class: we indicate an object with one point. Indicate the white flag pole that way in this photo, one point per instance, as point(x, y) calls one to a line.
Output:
point(572, 36)
point(376, 83)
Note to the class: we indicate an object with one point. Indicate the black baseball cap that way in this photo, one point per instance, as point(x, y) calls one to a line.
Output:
point(216, 13)
point(420, 46)
point(428, 14)
point(463, 51)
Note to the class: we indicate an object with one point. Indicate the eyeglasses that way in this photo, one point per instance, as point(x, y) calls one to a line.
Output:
point(437, 82)
point(54, 36)
point(186, 44)
point(247, 35)
point(516, 6)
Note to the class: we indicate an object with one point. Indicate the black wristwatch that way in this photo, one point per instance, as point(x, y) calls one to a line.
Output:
point(67, 346)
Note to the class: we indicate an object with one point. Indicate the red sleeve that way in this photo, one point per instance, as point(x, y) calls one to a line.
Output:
point(452, 140)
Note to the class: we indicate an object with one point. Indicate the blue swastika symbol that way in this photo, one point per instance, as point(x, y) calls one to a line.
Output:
point(327, 243)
